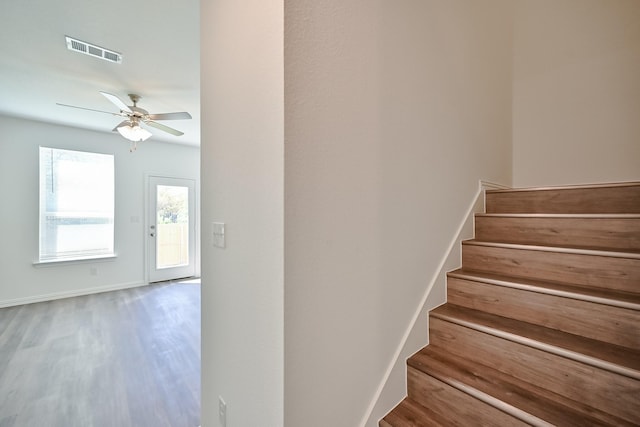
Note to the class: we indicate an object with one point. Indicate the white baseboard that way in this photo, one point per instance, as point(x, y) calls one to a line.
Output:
point(488, 185)
point(398, 361)
point(68, 294)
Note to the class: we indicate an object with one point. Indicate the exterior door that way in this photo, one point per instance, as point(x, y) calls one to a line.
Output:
point(171, 228)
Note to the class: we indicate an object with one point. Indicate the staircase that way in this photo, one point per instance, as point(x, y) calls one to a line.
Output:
point(542, 323)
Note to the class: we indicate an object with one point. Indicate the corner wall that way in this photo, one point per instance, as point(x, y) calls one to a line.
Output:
point(20, 281)
point(576, 102)
point(243, 187)
point(393, 112)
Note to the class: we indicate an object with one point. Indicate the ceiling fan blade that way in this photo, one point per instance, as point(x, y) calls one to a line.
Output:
point(170, 116)
point(122, 123)
point(117, 102)
point(89, 109)
point(167, 129)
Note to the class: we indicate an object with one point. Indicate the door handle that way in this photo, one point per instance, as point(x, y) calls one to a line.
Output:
point(152, 235)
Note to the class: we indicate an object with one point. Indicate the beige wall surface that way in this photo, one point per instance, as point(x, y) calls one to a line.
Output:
point(242, 186)
point(393, 112)
point(576, 104)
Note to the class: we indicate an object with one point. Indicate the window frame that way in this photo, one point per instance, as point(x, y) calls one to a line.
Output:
point(91, 255)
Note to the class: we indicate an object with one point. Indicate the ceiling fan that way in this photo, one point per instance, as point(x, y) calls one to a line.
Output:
point(130, 128)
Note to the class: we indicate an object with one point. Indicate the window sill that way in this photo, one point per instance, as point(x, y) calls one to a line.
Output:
point(71, 261)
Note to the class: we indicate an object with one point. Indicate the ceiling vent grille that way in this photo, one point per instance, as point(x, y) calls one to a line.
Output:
point(93, 50)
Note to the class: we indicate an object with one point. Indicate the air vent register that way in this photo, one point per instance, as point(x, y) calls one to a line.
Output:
point(93, 50)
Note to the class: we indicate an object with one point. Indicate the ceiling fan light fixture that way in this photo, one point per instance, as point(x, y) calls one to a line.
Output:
point(130, 128)
point(134, 132)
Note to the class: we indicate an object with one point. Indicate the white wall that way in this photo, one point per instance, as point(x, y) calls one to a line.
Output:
point(20, 280)
point(576, 108)
point(393, 112)
point(242, 186)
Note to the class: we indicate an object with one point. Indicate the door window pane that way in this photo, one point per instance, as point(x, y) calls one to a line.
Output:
point(172, 226)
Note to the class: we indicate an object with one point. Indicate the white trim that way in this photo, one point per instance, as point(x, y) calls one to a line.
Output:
point(70, 261)
point(456, 240)
point(494, 186)
point(69, 294)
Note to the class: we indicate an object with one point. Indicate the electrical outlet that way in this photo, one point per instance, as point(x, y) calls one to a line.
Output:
point(222, 411)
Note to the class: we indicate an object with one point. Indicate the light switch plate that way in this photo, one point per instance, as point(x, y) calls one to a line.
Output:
point(218, 234)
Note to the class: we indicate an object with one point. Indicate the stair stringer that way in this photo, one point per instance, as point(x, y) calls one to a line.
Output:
point(522, 356)
point(392, 388)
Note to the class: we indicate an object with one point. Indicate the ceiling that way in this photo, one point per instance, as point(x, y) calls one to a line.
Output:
point(159, 43)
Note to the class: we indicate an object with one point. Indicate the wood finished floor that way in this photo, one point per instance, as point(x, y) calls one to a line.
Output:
point(116, 359)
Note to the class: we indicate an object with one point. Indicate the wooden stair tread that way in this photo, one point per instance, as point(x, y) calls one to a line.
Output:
point(600, 198)
point(523, 400)
point(588, 231)
point(598, 295)
point(614, 358)
point(592, 251)
point(410, 413)
point(602, 319)
point(582, 267)
point(561, 215)
point(567, 187)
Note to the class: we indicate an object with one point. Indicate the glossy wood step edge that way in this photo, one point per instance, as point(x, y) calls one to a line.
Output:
point(492, 401)
point(410, 409)
point(623, 300)
point(568, 187)
point(555, 249)
point(603, 216)
point(539, 345)
point(528, 397)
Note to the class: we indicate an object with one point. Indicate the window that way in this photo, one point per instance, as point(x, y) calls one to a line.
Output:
point(76, 205)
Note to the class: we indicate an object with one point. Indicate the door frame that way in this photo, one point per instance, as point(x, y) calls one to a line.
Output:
point(193, 217)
